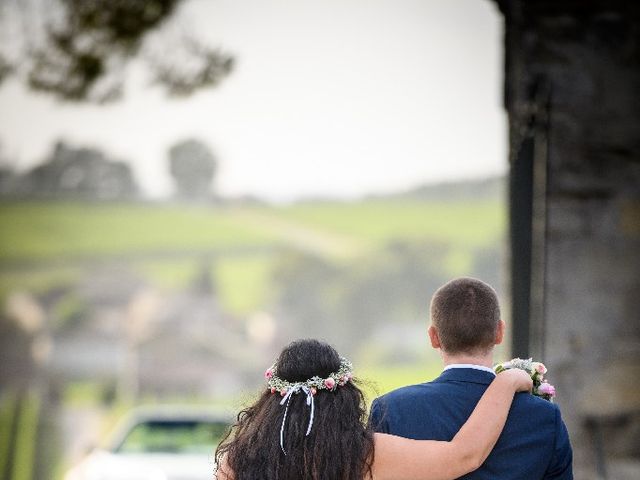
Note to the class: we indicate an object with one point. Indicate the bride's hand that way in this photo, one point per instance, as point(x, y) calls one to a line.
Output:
point(520, 379)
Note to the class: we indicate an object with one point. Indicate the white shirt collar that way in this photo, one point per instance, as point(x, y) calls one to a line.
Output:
point(469, 365)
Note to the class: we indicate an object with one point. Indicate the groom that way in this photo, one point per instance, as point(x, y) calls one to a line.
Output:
point(466, 326)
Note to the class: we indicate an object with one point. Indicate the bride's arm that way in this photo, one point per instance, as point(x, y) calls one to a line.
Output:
point(398, 458)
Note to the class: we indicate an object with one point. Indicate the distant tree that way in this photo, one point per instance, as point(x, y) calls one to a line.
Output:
point(7, 174)
point(491, 188)
point(193, 167)
point(79, 49)
point(79, 172)
point(347, 303)
point(489, 264)
point(6, 177)
point(306, 300)
point(393, 286)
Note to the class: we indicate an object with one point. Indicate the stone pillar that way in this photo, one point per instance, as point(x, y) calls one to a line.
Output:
point(572, 91)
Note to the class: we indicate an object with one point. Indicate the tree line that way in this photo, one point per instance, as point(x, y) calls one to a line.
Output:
point(76, 172)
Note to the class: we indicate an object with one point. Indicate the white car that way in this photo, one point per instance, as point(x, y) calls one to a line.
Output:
point(158, 443)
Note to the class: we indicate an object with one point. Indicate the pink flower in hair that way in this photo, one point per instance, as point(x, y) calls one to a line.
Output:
point(330, 383)
point(540, 368)
point(268, 374)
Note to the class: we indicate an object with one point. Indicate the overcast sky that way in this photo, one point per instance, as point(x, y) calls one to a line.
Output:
point(332, 98)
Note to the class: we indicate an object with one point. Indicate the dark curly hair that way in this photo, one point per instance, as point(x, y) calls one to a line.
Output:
point(339, 446)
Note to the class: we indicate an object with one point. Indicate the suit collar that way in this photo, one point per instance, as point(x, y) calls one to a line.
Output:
point(469, 365)
point(470, 375)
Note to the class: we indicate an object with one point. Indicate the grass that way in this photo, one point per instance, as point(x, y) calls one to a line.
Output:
point(172, 274)
point(380, 379)
point(377, 222)
point(7, 410)
point(43, 245)
point(45, 231)
point(26, 438)
point(36, 280)
point(243, 282)
point(82, 394)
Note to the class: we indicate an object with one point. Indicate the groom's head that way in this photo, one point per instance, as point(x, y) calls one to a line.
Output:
point(465, 318)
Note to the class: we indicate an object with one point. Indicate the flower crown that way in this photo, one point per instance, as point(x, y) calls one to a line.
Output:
point(309, 387)
point(541, 388)
point(334, 380)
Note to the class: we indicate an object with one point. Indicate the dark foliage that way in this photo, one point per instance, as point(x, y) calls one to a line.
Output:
point(81, 48)
point(71, 172)
point(350, 302)
point(192, 166)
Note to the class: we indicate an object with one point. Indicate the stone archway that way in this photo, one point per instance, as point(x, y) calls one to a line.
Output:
point(572, 92)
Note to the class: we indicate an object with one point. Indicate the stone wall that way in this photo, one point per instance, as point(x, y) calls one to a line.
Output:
point(572, 91)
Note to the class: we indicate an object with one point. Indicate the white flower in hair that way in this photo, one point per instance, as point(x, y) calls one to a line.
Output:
point(309, 387)
point(333, 380)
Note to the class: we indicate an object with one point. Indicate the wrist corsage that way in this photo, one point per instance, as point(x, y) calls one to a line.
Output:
point(537, 370)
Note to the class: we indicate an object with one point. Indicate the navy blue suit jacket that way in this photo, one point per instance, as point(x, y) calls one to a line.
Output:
point(534, 444)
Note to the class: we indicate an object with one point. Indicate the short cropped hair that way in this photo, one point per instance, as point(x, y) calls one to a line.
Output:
point(465, 313)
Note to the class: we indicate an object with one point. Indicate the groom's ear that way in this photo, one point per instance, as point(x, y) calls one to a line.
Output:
point(434, 337)
point(500, 332)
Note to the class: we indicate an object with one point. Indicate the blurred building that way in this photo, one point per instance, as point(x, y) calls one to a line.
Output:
point(572, 92)
point(137, 341)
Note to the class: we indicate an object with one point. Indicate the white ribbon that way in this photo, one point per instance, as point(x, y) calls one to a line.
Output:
point(287, 398)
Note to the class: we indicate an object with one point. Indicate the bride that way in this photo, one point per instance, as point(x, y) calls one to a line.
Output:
point(310, 424)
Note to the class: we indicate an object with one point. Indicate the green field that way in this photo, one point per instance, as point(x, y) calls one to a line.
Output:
point(49, 243)
point(54, 246)
point(377, 222)
point(54, 231)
